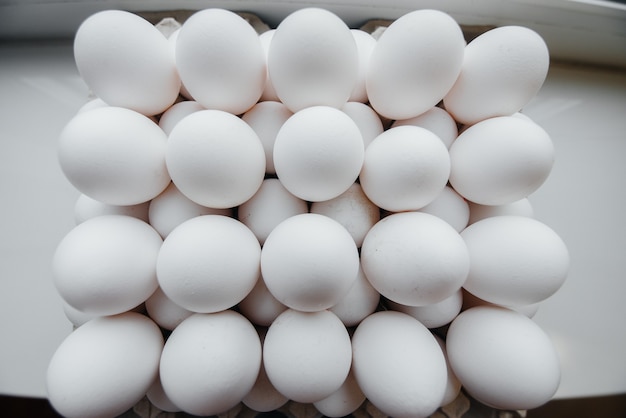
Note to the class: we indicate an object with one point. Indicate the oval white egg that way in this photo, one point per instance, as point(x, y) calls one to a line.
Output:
point(116, 357)
point(106, 265)
point(87, 208)
point(521, 207)
point(436, 120)
point(502, 70)
point(399, 365)
point(114, 155)
point(451, 207)
point(360, 301)
point(307, 355)
point(126, 62)
point(208, 263)
point(436, 314)
point(260, 306)
point(210, 362)
point(365, 44)
point(221, 61)
point(313, 60)
point(502, 358)
point(176, 113)
point(164, 312)
point(344, 401)
point(414, 63)
point(366, 119)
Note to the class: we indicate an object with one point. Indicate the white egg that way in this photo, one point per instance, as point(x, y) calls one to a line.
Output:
point(344, 401)
point(87, 208)
point(521, 207)
point(171, 40)
point(436, 120)
point(470, 301)
point(309, 262)
point(313, 60)
point(208, 263)
point(502, 358)
point(215, 159)
point(260, 306)
point(114, 155)
point(157, 397)
point(221, 61)
point(451, 207)
point(399, 365)
point(171, 208)
point(116, 357)
point(210, 362)
point(515, 260)
point(269, 94)
point(307, 355)
point(176, 113)
point(318, 153)
point(106, 265)
point(126, 62)
point(434, 315)
point(360, 301)
point(365, 44)
point(366, 119)
point(502, 70)
point(453, 387)
point(414, 258)
point(269, 206)
point(164, 312)
point(405, 168)
point(500, 160)
point(353, 210)
point(414, 63)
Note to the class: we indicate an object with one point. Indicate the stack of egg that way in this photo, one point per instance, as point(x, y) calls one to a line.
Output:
point(301, 215)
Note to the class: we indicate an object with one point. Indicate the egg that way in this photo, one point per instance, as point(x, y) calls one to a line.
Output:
point(116, 357)
point(399, 365)
point(171, 40)
point(436, 314)
point(360, 301)
point(405, 168)
point(436, 120)
point(344, 401)
point(87, 208)
point(114, 155)
point(365, 44)
point(515, 260)
point(500, 160)
point(453, 386)
point(502, 358)
point(269, 94)
point(215, 159)
point(414, 63)
point(260, 306)
point(353, 210)
point(451, 207)
point(313, 60)
point(171, 208)
point(521, 207)
point(220, 60)
point(318, 153)
point(164, 312)
point(266, 118)
point(210, 362)
point(470, 301)
point(157, 397)
point(307, 355)
point(126, 62)
point(366, 119)
point(503, 69)
point(414, 258)
point(269, 206)
point(309, 262)
point(106, 265)
point(208, 263)
point(176, 112)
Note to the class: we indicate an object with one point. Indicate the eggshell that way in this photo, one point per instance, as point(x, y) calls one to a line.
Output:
point(115, 357)
point(269, 94)
point(208, 263)
point(266, 119)
point(269, 206)
point(114, 155)
point(87, 208)
point(176, 113)
point(318, 153)
point(453, 386)
point(502, 70)
point(157, 397)
point(515, 260)
point(313, 60)
point(220, 60)
point(171, 208)
point(405, 168)
point(365, 44)
point(414, 258)
point(366, 119)
point(434, 315)
point(353, 210)
point(106, 265)
point(436, 120)
point(360, 301)
point(502, 358)
point(398, 365)
point(500, 160)
point(215, 159)
point(260, 306)
point(470, 301)
point(164, 312)
point(521, 207)
point(414, 63)
point(344, 401)
point(451, 207)
point(210, 362)
point(309, 262)
point(126, 62)
point(172, 39)
point(307, 355)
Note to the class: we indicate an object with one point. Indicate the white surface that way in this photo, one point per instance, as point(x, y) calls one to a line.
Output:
point(581, 108)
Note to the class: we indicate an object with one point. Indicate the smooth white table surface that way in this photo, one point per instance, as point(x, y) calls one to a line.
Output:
point(583, 109)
